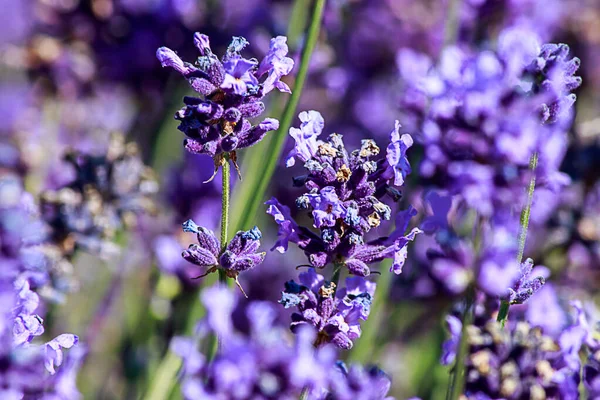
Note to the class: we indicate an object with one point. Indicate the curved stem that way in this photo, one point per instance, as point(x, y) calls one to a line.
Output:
point(525, 215)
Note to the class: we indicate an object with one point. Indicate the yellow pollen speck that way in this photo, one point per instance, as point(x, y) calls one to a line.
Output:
point(481, 361)
point(374, 220)
point(369, 148)
point(327, 290)
point(325, 149)
point(343, 174)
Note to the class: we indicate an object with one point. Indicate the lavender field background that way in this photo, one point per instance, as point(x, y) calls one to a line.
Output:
point(411, 206)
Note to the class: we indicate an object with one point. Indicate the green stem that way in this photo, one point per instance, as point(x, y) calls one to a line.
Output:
point(525, 215)
point(452, 22)
point(215, 341)
point(304, 394)
point(225, 173)
point(455, 389)
point(503, 312)
point(250, 194)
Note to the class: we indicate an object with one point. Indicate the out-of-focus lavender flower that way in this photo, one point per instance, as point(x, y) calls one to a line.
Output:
point(483, 114)
point(231, 90)
point(259, 363)
point(239, 255)
point(335, 314)
point(28, 367)
point(346, 194)
point(109, 193)
point(515, 362)
point(358, 382)
point(487, 260)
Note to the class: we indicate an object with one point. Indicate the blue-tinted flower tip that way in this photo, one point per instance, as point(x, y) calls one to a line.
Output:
point(190, 226)
point(238, 43)
point(289, 299)
point(252, 234)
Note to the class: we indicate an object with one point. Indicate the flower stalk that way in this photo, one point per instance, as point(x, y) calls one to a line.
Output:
point(525, 215)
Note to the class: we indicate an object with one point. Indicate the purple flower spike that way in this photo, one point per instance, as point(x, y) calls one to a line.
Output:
point(346, 197)
point(240, 254)
point(526, 286)
point(231, 91)
point(335, 315)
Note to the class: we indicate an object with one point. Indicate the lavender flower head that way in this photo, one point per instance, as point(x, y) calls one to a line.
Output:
point(109, 193)
point(526, 286)
point(258, 359)
point(483, 114)
point(346, 199)
point(514, 363)
point(231, 90)
point(257, 363)
point(335, 314)
point(239, 255)
point(28, 368)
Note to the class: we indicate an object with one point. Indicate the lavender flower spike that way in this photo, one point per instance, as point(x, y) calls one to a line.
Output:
point(525, 286)
point(240, 254)
point(230, 89)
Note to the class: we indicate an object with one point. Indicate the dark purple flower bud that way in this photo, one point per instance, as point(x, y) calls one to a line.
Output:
point(253, 109)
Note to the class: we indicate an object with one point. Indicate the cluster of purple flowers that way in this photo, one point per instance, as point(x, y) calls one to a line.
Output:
point(239, 255)
point(482, 115)
point(231, 92)
point(346, 199)
point(29, 369)
point(257, 361)
point(108, 194)
point(515, 363)
point(336, 315)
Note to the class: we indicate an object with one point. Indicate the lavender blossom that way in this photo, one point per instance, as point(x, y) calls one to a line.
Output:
point(29, 368)
point(231, 92)
point(345, 198)
point(257, 364)
point(238, 256)
point(335, 314)
point(514, 363)
point(108, 194)
point(483, 114)
point(525, 286)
